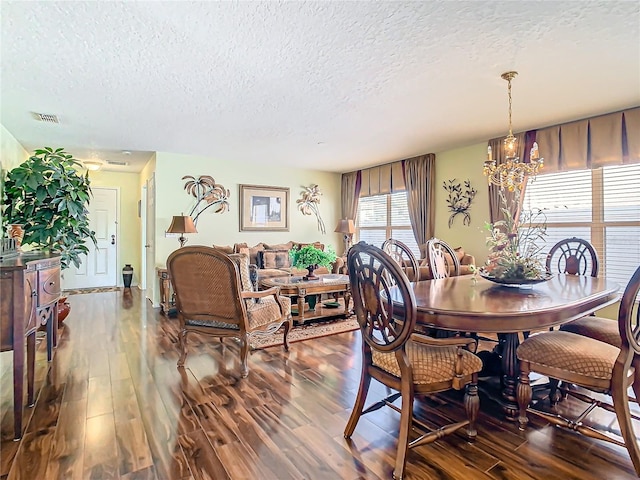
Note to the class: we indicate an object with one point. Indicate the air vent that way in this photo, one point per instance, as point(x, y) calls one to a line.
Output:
point(117, 162)
point(46, 117)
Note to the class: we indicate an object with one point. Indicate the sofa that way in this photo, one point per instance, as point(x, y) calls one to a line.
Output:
point(466, 261)
point(272, 260)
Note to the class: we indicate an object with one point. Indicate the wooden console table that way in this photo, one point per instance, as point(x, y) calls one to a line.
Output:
point(30, 285)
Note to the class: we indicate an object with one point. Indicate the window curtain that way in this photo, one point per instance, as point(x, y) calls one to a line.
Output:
point(350, 194)
point(612, 139)
point(420, 177)
point(524, 142)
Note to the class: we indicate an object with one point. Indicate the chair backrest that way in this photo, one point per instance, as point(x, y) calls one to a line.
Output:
point(375, 280)
point(574, 256)
point(403, 256)
point(207, 285)
point(442, 260)
point(629, 318)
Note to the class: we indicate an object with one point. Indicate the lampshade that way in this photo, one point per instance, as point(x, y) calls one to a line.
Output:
point(345, 225)
point(182, 224)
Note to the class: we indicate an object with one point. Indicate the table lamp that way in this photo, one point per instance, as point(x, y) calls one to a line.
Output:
point(182, 224)
point(346, 227)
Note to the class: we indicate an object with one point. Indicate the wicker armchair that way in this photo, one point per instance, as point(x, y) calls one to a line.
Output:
point(215, 297)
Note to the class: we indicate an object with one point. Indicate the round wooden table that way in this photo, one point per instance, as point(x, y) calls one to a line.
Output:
point(464, 304)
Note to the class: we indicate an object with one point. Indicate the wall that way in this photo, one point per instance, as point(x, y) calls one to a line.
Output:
point(12, 153)
point(130, 227)
point(463, 164)
point(223, 228)
point(466, 164)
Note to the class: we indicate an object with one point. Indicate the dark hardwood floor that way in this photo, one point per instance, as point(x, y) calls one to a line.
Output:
point(112, 404)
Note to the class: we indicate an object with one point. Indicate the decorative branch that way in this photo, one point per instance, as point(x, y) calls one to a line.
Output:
point(309, 202)
point(208, 193)
point(459, 200)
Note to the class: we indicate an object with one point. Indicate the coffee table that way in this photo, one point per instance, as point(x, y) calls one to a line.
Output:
point(295, 286)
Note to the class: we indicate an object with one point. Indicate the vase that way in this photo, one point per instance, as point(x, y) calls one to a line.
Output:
point(310, 275)
point(16, 232)
point(127, 275)
point(312, 300)
point(63, 310)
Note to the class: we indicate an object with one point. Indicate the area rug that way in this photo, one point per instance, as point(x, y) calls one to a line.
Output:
point(78, 291)
point(306, 332)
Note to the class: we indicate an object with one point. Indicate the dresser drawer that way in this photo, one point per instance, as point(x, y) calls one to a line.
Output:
point(48, 286)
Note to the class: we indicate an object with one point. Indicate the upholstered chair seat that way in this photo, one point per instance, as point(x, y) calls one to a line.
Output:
point(591, 360)
point(598, 328)
point(431, 364)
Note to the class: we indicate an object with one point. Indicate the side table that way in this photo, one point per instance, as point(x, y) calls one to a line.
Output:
point(166, 301)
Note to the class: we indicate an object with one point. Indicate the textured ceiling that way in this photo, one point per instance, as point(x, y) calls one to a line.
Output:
point(329, 85)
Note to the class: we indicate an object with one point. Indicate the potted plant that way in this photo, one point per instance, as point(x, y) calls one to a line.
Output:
point(310, 257)
point(49, 198)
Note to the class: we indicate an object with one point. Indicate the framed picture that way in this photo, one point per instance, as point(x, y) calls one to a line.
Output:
point(264, 208)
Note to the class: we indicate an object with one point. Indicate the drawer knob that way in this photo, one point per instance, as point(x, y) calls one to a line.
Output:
point(52, 283)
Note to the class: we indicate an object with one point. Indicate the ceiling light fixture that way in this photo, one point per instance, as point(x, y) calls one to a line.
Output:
point(512, 173)
point(92, 165)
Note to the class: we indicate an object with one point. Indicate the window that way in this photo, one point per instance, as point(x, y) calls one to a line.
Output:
point(601, 206)
point(385, 216)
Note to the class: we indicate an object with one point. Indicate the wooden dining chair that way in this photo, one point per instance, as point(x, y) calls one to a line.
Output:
point(215, 297)
point(403, 256)
point(400, 359)
point(576, 256)
point(591, 364)
point(441, 259)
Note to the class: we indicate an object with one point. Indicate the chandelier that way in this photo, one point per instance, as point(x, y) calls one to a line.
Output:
point(512, 173)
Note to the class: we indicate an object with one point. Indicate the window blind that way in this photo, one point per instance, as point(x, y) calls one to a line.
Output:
point(385, 216)
point(601, 206)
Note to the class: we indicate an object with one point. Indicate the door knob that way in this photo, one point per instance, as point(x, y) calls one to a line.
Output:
point(113, 239)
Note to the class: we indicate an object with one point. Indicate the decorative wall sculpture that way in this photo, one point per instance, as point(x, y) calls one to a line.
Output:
point(459, 200)
point(309, 203)
point(208, 193)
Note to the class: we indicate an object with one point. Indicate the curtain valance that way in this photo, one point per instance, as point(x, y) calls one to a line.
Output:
point(387, 178)
point(612, 139)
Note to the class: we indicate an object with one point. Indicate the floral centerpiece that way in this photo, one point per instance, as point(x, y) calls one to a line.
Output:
point(310, 257)
point(515, 246)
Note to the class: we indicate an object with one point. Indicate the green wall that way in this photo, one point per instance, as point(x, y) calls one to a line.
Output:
point(223, 228)
point(463, 164)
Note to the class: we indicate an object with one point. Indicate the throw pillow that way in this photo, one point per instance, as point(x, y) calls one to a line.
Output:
point(459, 253)
point(281, 246)
point(253, 251)
point(228, 249)
point(274, 259)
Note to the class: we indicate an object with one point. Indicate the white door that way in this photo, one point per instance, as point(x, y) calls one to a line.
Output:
point(99, 267)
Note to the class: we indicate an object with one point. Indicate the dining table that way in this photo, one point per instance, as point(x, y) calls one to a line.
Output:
point(476, 305)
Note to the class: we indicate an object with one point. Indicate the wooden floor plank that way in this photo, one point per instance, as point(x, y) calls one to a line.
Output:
point(112, 404)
